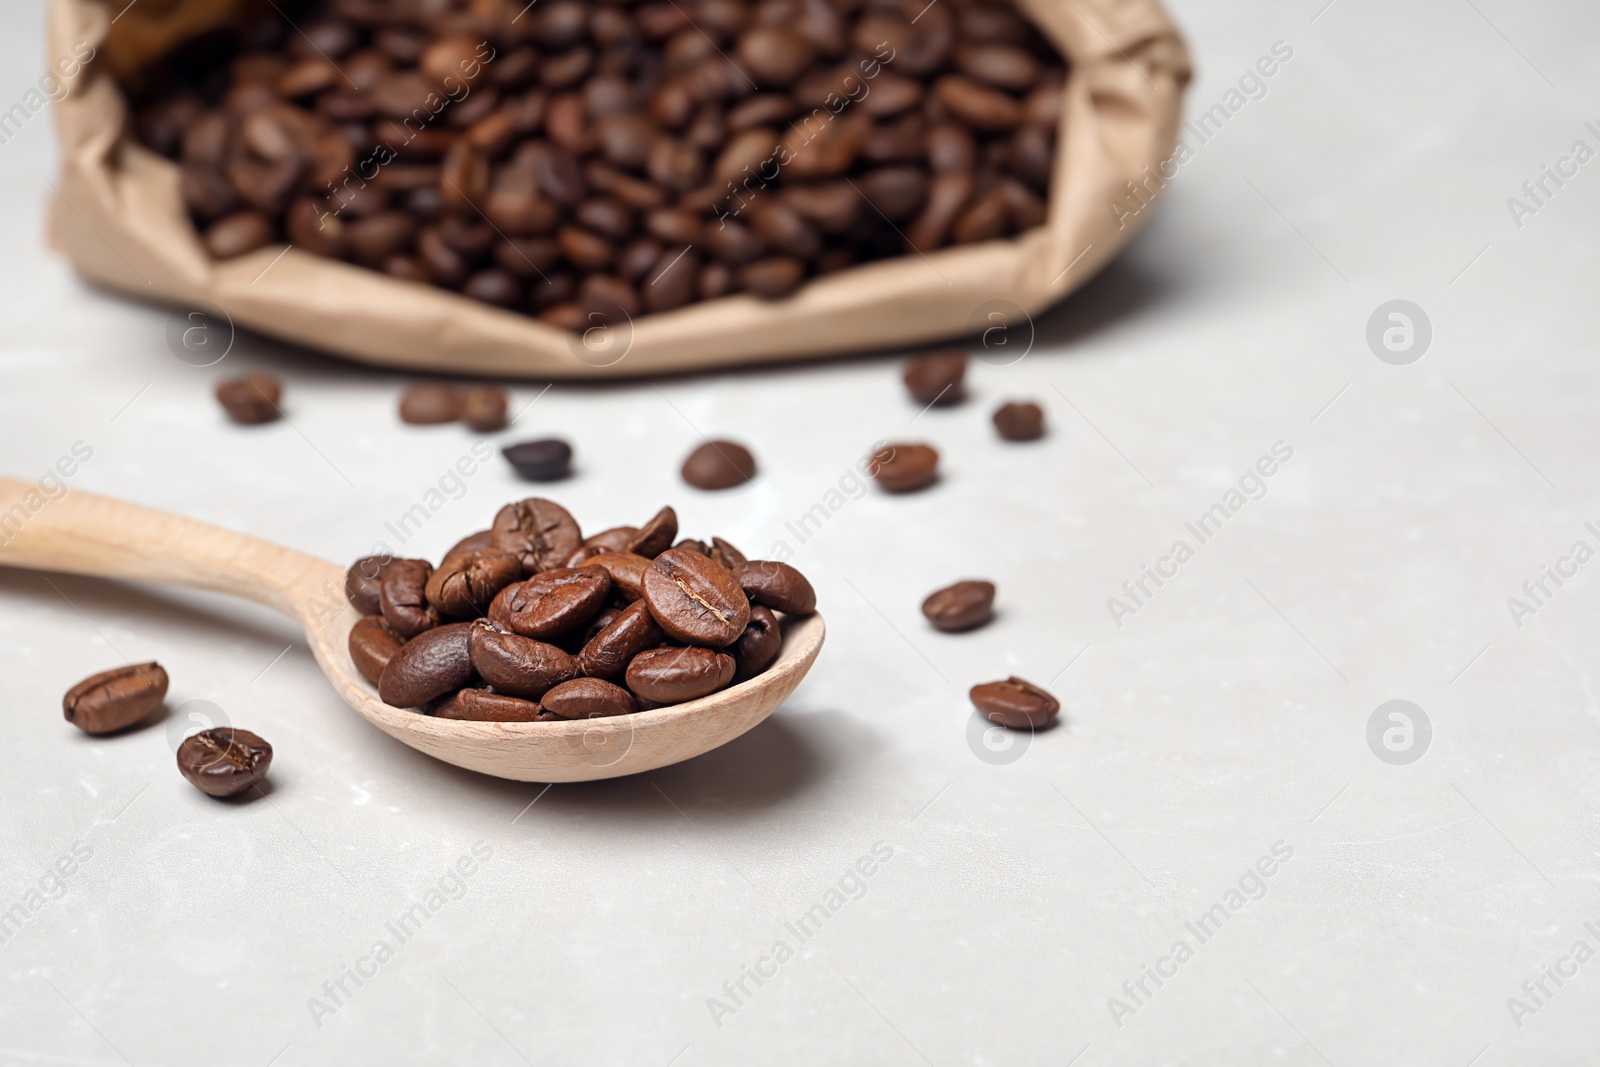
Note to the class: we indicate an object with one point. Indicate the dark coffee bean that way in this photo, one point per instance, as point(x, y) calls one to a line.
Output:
point(497, 287)
point(616, 539)
point(251, 400)
point(539, 531)
point(783, 229)
point(655, 536)
point(773, 55)
point(948, 192)
point(891, 95)
point(732, 242)
point(485, 705)
point(904, 468)
point(236, 235)
point(465, 584)
point(1019, 421)
point(724, 553)
point(1003, 66)
point(430, 404)
point(372, 645)
point(697, 545)
point(206, 193)
point(936, 378)
point(588, 698)
point(670, 281)
point(897, 192)
point(773, 278)
point(694, 599)
point(403, 598)
point(833, 206)
point(638, 258)
point(361, 583)
point(115, 699)
point(483, 408)
point(719, 465)
point(673, 675)
point(473, 542)
point(552, 602)
point(559, 177)
point(776, 585)
point(716, 279)
point(546, 460)
point(962, 606)
point(586, 250)
point(224, 761)
point(1015, 703)
point(983, 220)
point(977, 105)
point(627, 572)
point(758, 646)
point(1026, 208)
point(314, 229)
point(377, 237)
point(516, 665)
point(427, 666)
point(608, 653)
point(674, 225)
point(951, 148)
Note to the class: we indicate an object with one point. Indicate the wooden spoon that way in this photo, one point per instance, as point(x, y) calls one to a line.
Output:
point(81, 533)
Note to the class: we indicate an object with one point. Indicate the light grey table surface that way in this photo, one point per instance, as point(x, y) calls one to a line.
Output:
point(1023, 895)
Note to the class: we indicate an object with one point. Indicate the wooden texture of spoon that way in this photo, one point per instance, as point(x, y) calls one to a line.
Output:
point(81, 533)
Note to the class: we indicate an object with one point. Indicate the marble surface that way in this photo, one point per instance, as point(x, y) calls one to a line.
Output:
point(1023, 906)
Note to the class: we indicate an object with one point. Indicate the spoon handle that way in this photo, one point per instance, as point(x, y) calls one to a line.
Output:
point(46, 527)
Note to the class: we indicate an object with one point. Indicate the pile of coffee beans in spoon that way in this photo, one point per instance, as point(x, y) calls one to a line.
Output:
point(531, 621)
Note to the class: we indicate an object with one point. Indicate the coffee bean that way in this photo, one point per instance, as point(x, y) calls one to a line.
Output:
point(251, 400)
point(655, 536)
point(694, 599)
point(539, 531)
point(516, 665)
point(976, 105)
point(485, 705)
point(428, 665)
point(673, 675)
point(936, 378)
point(773, 278)
point(224, 761)
point(962, 606)
point(403, 599)
point(695, 545)
point(617, 538)
point(776, 585)
point(608, 653)
point(588, 698)
point(627, 572)
point(466, 584)
point(719, 465)
point(1015, 703)
point(372, 644)
point(758, 646)
point(774, 56)
point(552, 602)
point(430, 403)
point(361, 583)
point(1019, 421)
point(904, 468)
point(116, 699)
point(725, 554)
point(1003, 66)
point(548, 459)
point(473, 542)
point(483, 408)
point(238, 234)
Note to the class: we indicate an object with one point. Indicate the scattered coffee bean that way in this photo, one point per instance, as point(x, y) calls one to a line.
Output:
point(224, 761)
point(485, 705)
point(695, 600)
point(483, 408)
point(116, 699)
point(430, 403)
point(936, 379)
point(963, 606)
point(546, 460)
point(588, 698)
point(719, 465)
point(251, 400)
point(1019, 421)
point(1015, 703)
point(403, 596)
point(904, 468)
point(372, 645)
point(673, 675)
point(776, 585)
point(362, 581)
point(429, 665)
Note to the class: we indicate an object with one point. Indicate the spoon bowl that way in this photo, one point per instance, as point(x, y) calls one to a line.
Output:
point(97, 536)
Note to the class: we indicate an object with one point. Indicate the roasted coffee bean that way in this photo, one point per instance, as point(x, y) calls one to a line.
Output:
point(936, 378)
point(516, 665)
point(758, 646)
point(588, 698)
point(627, 572)
point(372, 644)
point(251, 400)
point(697, 545)
point(1015, 703)
point(719, 465)
point(235, 235)
point(548, 459)
point(473, 542)
point(773, 278)
point(725, 554)
point(485, 705)
point(978, 106)
point(963, 606)
point(904, 468)
point(428, 665)
point(115, 699)
point(466, 584)
point(616, 539)
point(483, 408)
point(694, 599)
point(1003, 66)
point(1019, 421)
point(552, 602)
point(539, 531)
point(776, 585)
point(948, 192)
point(403, 599)
point(362, 581)
point(430, 403)
point(224, 761)
point(655, 536)
point(983, 220)
point(673, 675)
point(608, 653)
